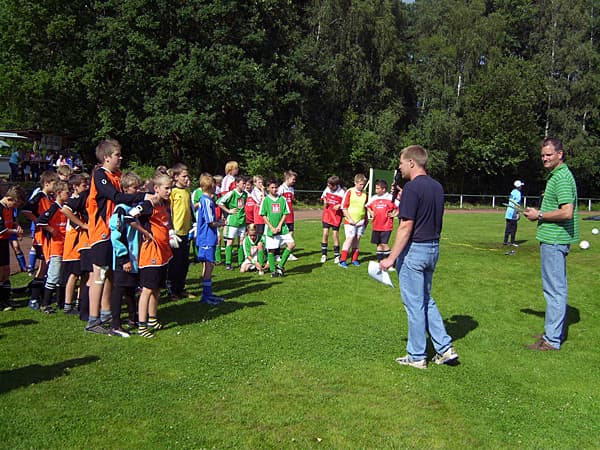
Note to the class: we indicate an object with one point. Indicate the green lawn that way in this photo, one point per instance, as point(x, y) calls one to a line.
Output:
point(307, 361)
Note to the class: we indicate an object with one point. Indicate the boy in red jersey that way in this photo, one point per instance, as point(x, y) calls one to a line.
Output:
point(54, 224)
point(332, 216)
point(383, 210)
point(14, 197)
point(155, 255)
point(105, 194)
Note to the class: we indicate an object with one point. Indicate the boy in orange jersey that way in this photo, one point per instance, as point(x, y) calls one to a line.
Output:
point(13, 198)
point(155, 254)
point(39, 202)
point(105, 193)
point(75, 238)
point(54, 224)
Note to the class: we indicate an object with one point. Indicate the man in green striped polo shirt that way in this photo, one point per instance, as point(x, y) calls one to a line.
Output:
point(558, 228)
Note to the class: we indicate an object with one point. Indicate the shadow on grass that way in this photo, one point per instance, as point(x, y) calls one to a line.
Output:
point(18, 323)
point(458, 326)
point(306, 268)
point(37, 373)
point(194, 311)
point(572, 318)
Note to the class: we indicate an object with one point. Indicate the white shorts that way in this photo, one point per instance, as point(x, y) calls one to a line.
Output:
point(233, 232)
point(276, 241)
point(354, 230)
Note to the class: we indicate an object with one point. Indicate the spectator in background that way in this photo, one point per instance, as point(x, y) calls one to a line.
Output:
point(512, 215)
point(13, 162)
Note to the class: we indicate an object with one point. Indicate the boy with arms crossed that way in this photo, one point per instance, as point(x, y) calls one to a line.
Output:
point(332, 216)
point(275, 209)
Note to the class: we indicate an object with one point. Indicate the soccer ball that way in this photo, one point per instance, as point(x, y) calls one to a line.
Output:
point(595, 231)
point(584, 245)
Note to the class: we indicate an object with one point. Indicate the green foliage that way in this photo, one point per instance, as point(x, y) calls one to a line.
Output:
point(332, 86)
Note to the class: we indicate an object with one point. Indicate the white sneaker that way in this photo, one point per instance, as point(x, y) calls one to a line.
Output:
point(336, 260)
point(323, 258)
point(406, 361)
point(292, 257)
point(446, 357)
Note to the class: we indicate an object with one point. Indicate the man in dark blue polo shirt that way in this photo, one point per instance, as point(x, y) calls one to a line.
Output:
point(416, 249)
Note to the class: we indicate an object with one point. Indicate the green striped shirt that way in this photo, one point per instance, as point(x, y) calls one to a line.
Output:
point(560, 190)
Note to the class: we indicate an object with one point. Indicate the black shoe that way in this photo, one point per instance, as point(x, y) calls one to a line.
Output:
point(275, 274)
point(279, 269)
point(47, 309)
point(97, 328)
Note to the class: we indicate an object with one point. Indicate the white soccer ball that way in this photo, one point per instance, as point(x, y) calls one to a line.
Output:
point(584, 245)
point(595, 231)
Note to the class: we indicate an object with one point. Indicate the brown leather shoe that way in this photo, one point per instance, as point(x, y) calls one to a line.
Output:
point(542, 345)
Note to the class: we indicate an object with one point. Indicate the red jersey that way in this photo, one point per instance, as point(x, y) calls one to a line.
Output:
point(105, 194)
point(381, 206)
point(257, 195)
point(7, 221)
point(157, 252)
point(53, 244)
point(287, 192)
point(331, 199)
point(249, 208)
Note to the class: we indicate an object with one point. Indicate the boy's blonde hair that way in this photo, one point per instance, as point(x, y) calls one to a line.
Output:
point(130, 179)
point(48, 177)
point(177, 169)
point(289, 174)
point(162, 180)
point(106, 148)
point(61, 186)
point(16, 193)
point(255, 178)
point(218, 178)
point(64, 171)
point(207, 183)
point(231, 166)
point(360, 177)
point(251, 227)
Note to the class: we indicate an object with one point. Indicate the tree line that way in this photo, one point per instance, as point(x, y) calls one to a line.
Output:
point(322, 87)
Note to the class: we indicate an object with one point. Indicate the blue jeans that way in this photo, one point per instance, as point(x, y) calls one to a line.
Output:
point(416, 265)
point(554, 285)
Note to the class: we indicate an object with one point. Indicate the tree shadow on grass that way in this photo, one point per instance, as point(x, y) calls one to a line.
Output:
point(306, 268)
point(194, 311)
point(572, 318)
point(37, 373)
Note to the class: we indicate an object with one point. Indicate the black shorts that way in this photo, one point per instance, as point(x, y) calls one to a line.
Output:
point(4, 252)
point(290, 226)
point(71, 267)
point(153, 277)
point(329, 226)
point(125, 279)
point(39, 252)
point(380, 237)
point(85, 260)
point(260, 228)
point(101, 253)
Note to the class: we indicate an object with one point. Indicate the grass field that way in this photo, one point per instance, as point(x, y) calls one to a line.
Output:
point(307, 361)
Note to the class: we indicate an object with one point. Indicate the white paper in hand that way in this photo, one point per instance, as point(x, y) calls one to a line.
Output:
point(376, 273)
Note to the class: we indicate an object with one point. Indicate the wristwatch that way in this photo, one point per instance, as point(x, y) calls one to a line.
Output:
point(540, 216)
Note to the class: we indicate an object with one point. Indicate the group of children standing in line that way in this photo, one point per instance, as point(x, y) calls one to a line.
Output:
point(119, 237)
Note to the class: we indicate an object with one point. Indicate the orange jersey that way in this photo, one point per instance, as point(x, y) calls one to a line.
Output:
point(157, 252)
point(76, 238)
point(105, 194)
point(7, 221)
point(53, 245)
point(36, 205)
